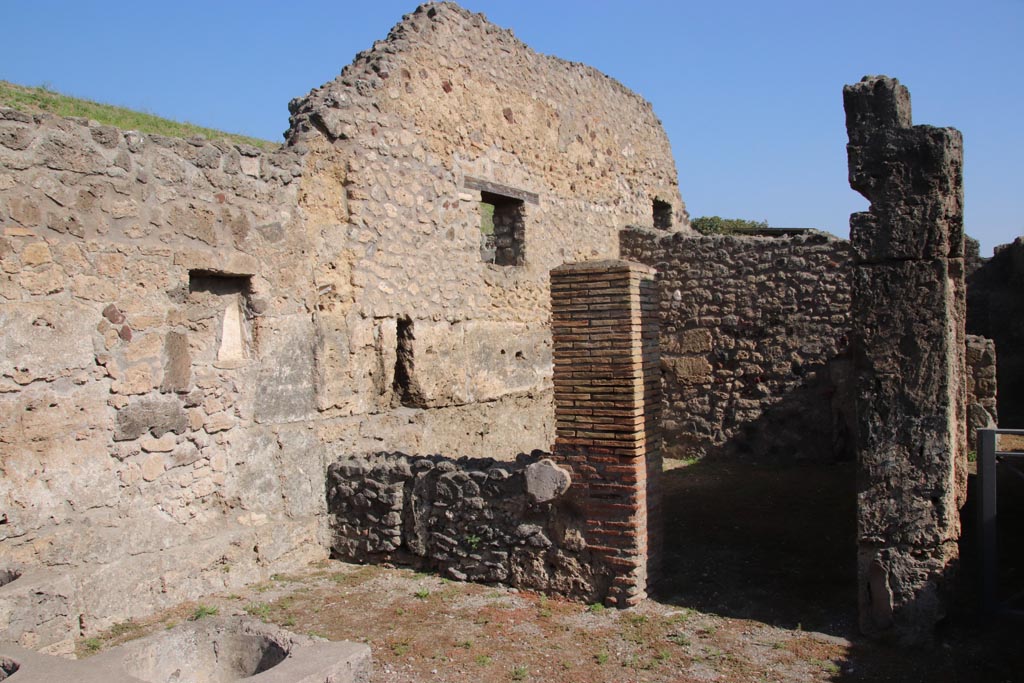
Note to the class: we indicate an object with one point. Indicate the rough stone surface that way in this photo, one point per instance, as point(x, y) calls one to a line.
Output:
point(472, 519)
point(982, 411)
point(908, 341)
point(267, 311)
point(754, 344)
point(546, 481)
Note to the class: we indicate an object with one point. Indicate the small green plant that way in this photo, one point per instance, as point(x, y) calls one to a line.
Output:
point(400, 648)
point(203, 611)
point(483, 660)
point(637, 619)
point(519, 673)
point(473, 541)
point(680, 639)
point(289, 621)
point(601, 658)
point(122, 628)
point(258, 609)
point(661, 656)
point(92, 644)
point(466, 644)
point(422, 594)
point(596, 608)
point(972, 456)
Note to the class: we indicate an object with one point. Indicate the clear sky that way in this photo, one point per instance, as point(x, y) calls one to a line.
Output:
point(750, 92)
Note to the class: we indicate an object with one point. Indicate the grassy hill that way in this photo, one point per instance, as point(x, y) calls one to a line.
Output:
point(37, 100)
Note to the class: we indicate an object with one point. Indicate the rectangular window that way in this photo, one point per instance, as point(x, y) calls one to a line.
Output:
point(502, 230)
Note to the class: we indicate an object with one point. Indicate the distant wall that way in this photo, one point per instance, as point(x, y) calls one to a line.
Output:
point(982, 412)
point(995, 309)
point(754, 343)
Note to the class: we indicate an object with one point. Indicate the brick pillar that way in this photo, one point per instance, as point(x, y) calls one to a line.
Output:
point(908, 346)
point(607, 412)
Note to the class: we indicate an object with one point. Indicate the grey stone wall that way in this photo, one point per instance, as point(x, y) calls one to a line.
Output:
point(754, 343)
point(995, 309)
point(473, 519)
point(193, 329)
point(982, 411)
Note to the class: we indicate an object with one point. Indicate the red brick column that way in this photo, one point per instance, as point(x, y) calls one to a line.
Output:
point(607, 409)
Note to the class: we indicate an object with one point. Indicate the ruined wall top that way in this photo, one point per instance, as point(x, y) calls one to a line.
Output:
point(469, 90)
point(910, 174)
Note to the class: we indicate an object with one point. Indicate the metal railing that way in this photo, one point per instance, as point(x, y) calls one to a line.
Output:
point(988, 460)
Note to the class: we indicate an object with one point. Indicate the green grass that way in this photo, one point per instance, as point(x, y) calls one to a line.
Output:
point(42, 99)
point(203, 611)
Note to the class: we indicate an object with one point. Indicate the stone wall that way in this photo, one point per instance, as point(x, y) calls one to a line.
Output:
point(908, 342)
point(754, 343)
point(995, 309)
point(982, 412)
point(194, 329)
point(473, 519)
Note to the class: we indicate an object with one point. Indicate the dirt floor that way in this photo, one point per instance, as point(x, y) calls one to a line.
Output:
point(758, 586)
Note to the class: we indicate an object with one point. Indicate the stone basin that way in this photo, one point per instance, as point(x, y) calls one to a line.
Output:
point(211, 650)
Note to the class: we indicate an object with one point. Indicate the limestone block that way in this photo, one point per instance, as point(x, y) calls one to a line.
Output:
point(285, 389)
point(546, 481)
point(46, 339)
point(153, 415)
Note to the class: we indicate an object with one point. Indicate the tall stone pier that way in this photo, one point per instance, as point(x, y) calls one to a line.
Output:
point(908, 320)
point(608, 410)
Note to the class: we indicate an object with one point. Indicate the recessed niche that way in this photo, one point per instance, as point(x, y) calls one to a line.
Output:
point(227, 298)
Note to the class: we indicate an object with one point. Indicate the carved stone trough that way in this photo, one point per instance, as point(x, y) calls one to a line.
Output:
point(212, 650)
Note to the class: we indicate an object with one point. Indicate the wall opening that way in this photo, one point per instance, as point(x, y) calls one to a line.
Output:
point(222, 307)
point(502, 230)
point(406, 390)
point(662, 213)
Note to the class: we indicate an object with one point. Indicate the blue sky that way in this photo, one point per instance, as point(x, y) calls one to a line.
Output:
point(750, 93)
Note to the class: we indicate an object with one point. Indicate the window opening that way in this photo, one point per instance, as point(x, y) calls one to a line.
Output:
point(502, 230)
point(662, 214)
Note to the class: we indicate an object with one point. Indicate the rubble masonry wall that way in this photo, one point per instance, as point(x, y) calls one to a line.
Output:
point(754, 343)
point(194, 330)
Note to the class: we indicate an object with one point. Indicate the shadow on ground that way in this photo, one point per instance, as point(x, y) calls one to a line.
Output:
point(777, 544)
point(771, 543)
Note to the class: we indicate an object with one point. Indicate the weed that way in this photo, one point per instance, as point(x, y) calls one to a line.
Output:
point(636, 619)
point(680, 639)
point(234, 596)
point(601, 657)
point(203, 611)
point(567, 665)
point(400, 611)
point(422, 594)
point(44, 98)
point(258, 609)
point(680, 617)
point(289, 621)
point(92, 644)
point(400, 648)
point(483, 660)
point(473, 541)
point(519, 673)
point(544, 613)
point(596, 608)
point(779, 645)
point(123, 628)
point(466, 644)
